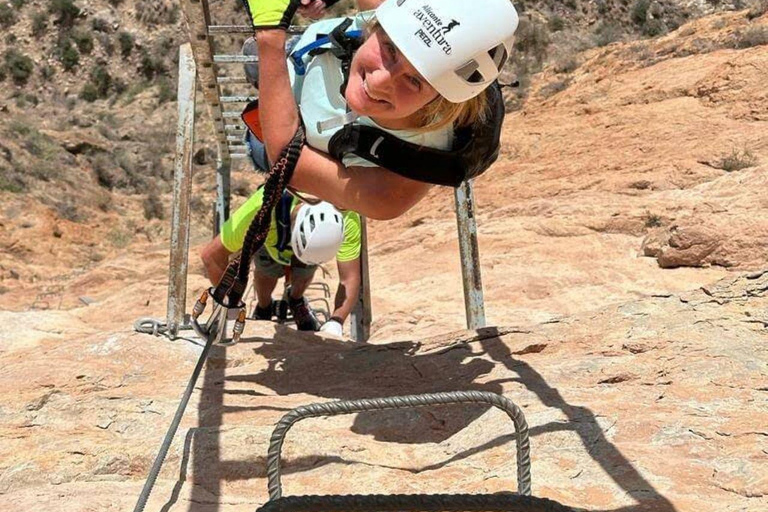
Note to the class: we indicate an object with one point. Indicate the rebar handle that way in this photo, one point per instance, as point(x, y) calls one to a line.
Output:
point(401, 402)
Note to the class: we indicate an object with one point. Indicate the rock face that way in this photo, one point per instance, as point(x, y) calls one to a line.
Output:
point(657, 404)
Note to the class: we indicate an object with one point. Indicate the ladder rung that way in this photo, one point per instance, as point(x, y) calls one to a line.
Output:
point(233, 147)
point(238, 155)
point(245, 29)
point(221, 58)
point(238, 99)
point(223, 80)
point(231, 114)
point(234, 127)
point(235, 138)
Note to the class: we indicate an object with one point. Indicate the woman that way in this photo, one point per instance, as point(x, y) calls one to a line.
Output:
point(420, 73)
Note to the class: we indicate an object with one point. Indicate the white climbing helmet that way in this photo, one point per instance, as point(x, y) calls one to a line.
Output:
point(458, 46)
point(317, 233)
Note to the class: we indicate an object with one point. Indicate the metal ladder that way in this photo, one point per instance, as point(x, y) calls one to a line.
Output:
point(199, 60)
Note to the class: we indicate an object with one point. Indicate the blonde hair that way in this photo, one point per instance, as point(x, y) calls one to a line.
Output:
point(440, 112)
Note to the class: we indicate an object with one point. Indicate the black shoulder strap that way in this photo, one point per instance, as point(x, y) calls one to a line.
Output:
point(283, 221)
point(474, 149)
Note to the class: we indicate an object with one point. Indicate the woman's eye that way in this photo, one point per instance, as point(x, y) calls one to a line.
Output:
point(415, 82)
point(391, 50)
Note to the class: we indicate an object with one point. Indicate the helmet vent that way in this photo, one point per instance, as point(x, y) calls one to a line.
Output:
point(499, 56)
point(312, 222)
point(322, 217)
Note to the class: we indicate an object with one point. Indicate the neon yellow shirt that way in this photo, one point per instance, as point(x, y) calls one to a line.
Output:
point(233, 233)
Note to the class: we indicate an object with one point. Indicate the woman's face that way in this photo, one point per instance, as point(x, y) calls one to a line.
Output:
point(384, 86)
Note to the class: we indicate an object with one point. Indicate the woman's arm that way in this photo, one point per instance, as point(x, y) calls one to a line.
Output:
point(375, 192)
point(372, 191)
point(348, 289)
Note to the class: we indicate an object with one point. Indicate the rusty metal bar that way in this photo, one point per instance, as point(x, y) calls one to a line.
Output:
point(222, 80)
point(215, 30)
point(222, 193)
point(234, 59)
point(238, 99)
point(360, 319)
point(474, 304)
point(182, 185)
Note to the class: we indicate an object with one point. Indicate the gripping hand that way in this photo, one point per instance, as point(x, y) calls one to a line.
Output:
point(272, 13)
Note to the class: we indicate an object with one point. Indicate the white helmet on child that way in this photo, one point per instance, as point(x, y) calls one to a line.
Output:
point(317, 233)
point(458, 46)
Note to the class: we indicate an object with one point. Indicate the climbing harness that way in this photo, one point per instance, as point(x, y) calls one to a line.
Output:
point(228, 294)
point(522, 501)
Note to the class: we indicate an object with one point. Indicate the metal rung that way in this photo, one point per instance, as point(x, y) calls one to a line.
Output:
point(245, 29)
point(234, 127)
point(225, 80)
point(238, 99)
point(234, 59)
point(231, 114)
point(235, 138)
point(238, 155)
point(233, 147)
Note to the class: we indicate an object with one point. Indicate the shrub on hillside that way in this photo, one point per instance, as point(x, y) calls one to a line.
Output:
point(556, 23)
point(67, 54)
point(150, 66)
point(758, 8)
point(639, 13)
point(39, 23)
point(126, 41)
point(165, 91)
point(18, 4)
point(66, 10)
point(47, 71)
point(100, 25)
point(7, 15)
point(755, 36)
point(99, 84)
point(153, 207)
point(83, 40)
point(736, 160)
point(18, 66)
point(607, 33)
point(532, 39)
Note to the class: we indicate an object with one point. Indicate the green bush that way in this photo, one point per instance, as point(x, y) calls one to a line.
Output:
point(7, 15)
point(66, 10)
point(83, 40)
point(758, 8)
point(18, 66)
point(68, 54)
point(39, 23)
point(165, 91)
point(89, 93)
point(18, 4)
point(126, 41)
point(607, 33)
point(640, 12)
point(736, 160)
point(150, 67)
point(654, 27)
point(47, 71)
point(755, 36)
point(100, 25)
point(556, 23)
point(153, 207)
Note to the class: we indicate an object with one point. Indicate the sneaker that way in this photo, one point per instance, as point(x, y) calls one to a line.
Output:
point(260, 313)
point(302, 315)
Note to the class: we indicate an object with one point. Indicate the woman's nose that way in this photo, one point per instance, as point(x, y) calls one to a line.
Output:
point(381, 80)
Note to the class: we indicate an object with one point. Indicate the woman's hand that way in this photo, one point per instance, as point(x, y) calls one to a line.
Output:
point(312, 9)
point(266, 14)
